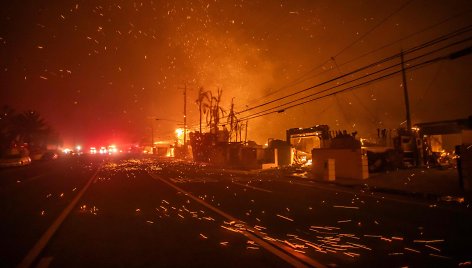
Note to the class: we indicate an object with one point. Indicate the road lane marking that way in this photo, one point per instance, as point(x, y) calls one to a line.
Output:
point(253, 187)
point(289, 255)
point(33, 254)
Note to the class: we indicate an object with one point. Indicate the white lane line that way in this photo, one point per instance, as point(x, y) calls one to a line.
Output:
point(286, 253)
point(253, 187)
point(33, 254)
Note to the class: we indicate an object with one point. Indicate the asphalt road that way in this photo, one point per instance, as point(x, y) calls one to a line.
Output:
point(125, 212)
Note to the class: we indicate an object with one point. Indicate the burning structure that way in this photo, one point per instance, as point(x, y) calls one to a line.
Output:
point(215, 148)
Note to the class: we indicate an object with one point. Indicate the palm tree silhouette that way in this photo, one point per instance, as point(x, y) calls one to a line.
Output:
point(216, 111)
point(233, 121)
point(203, 102)
point(31, 128)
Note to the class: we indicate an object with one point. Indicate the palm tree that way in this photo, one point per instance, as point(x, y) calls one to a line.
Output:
point(28, 127)
point(209, 112)
point(31, 128)
point(203, 103)
point(233, 122)
point(217, 111)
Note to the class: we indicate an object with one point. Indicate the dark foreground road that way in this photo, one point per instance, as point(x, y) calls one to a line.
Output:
point(155, 213)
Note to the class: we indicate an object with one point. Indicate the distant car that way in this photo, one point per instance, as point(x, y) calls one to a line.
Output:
point(49, 156)
point(14, 161)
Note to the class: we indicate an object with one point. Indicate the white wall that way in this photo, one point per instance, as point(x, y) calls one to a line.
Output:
point(349, 163)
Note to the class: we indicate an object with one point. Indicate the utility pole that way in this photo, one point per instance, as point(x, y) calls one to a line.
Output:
point(240, 130)
point(405, 93)
point(152, 134)
point(185, 117)
point(231, 124)
point(245, 136)
point(416, 153)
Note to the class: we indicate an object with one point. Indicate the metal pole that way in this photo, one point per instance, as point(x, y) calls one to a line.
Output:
point(245, 136)
point(185, 116)
point(416, 155)
point(231, 124)
point(405, 93)
point(152, 136)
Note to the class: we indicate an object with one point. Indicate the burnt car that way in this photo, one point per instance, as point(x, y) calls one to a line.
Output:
point(50, 156)
point(14, 161)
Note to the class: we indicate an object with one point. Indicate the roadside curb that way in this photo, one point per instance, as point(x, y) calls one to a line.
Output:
point(444, 198)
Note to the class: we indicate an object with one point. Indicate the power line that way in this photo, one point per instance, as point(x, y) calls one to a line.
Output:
point(435, 76)
point(450, 56)
point(355, 96)
point(414, 49)
point(331, 94)
point(468, 50)
point(373, 28)
point(455, 16)
point(301, 78)
point(360, 78)
point(411, 50)
point(296, 81)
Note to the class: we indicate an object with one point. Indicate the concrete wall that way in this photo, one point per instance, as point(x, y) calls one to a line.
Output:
point(236, 156)
point(348, 163)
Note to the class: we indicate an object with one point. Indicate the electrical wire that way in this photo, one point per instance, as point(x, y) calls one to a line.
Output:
point(373, 28)
point(301, 79)
point(411, 50)
point(297, 81)
point(455, 16)
point(412, 67)
point(367, 75)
